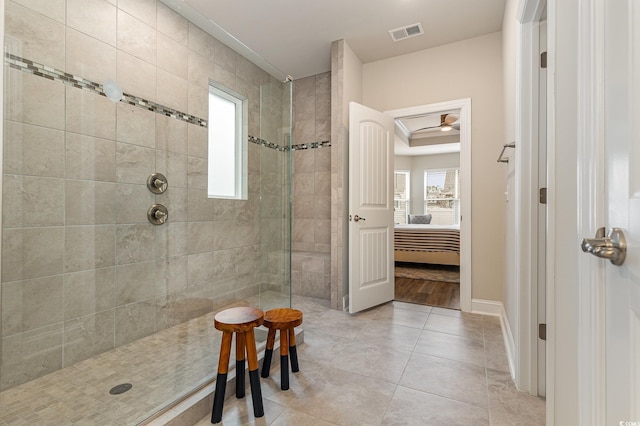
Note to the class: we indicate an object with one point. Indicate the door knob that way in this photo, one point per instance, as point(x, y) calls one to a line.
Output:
point(612, 246)
point(357, 218)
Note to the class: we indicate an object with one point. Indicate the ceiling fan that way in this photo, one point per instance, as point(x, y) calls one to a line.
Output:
point(447, 122)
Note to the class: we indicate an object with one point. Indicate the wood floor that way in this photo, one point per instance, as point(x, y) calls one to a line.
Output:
point(424, 292)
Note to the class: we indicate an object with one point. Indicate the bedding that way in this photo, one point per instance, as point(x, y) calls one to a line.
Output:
point(438, 244)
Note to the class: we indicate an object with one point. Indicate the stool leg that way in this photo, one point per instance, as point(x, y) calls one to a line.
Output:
point(254, 376)
point(221, 380)
point(240, 350)
point(284, 359)
point(268, 352)
point(293, 351)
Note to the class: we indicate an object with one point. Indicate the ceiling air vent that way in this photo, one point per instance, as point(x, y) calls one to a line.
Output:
point(406, 32)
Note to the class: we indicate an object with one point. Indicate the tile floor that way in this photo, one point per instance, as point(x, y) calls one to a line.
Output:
point(397, 364)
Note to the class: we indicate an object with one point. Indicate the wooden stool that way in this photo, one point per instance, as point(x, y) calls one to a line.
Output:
point(283, 319)
point(241, 321)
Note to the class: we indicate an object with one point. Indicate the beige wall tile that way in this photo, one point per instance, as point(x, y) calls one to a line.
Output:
point(197, 173)
point(173, 56)
point(199, 206)
point(136, 77)
point(200, 41)
point(199, 270)
point(199, 237)
point(198, 101)
point(136, 38)
point(36, 37)
point(89, 247)
point(322, 160)
point(176, 235)
point(200, 68)
point(134, 282)
point(33, 201)
point(88, 292)
point(90, 114)
point(134, 321)
point(175, 200)
point(89, 58)
point(135, 244)
point(89, 203)
point(96, 18)
point(134, 163)
point(135, 125)
point(88, 336)
point(174, 167)
point(33, 150)
point(172, 91)
point(171, 275)
point(35, 100)
point(171, 134)
point(90, 158)
point(172, 24)
point(40, 303)
point(323, 207)
point(144, 10)
point(32, 252)
point(197, 141)
point(54, 9)
point(132, 202)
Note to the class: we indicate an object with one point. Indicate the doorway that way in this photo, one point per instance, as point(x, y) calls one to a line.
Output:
point(459, 204)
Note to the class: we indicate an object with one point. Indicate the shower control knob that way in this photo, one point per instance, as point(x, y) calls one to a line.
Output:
point(157, 214)
point(157, 183)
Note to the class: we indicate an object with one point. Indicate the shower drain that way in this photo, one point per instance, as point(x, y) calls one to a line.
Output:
point(121, 388)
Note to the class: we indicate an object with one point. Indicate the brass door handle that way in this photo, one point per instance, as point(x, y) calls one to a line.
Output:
point(357, 218)
point(613, 246)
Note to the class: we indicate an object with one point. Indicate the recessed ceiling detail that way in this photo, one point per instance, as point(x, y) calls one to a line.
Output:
point(406, 32)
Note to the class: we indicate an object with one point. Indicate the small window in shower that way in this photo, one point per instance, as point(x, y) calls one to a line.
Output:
point(228, 113)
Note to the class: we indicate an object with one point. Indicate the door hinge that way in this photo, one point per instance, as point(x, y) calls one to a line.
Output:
point(543, 60)
point(543, 195)
point(542, 331)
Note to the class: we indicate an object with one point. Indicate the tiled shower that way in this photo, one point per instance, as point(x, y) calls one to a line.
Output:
point(83, 270)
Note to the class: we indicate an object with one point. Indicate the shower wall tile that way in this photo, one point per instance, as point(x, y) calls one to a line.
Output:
point(176, 237)
point(134, 322)
point(322, 185)
point(32, 252)
point(197, 173)
point(135, 125)
point(174, 166)
point(33, 150)
point(199, 206)
point(173, 56)
point(90, 114)
point(199, 270)
point(172, 24)
point(89, 203)
point(38, 302)
point(197, 141)
point(89, 247)
point(135, 244)
point(35, 201)
point(199, 101)
point(323, 207)
point(88, 292)
point(172, 91)
point(34, 36)
point(144, 10)
point(175, 200)
point(224, 74)
point(171, 275)
point(134, 163)
point(136, 76)
point(322, 160)
point(96, 18)
point(136, 38)
point(35, 100)
point(88, 57)
point(90, 158)
point(304, 206)
point(88, 336)
point(199, 237)
point(134, 282)
point(132, 202)
point(171, 134)
point(200, 41)
point(54, 9)
point(26, 356)
point(200, 69)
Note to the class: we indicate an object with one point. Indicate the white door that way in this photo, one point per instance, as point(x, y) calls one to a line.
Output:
point(371, 274)
point(622, 210)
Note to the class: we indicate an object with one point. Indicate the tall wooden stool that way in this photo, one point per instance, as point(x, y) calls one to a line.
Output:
point(241, 321)
point(285, 320)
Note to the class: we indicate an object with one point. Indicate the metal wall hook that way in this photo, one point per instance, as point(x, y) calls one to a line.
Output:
point(157, 183)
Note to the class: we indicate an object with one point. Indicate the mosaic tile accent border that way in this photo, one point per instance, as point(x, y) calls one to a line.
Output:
point(40, 70)
point(50, 73)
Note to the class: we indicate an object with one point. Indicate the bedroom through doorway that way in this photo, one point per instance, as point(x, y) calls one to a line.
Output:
point(429, 165)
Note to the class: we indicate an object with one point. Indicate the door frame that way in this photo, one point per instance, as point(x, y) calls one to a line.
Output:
point(464, 105)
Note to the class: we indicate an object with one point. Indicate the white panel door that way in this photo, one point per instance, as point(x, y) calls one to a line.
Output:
point(622, 184)
point(371, 275)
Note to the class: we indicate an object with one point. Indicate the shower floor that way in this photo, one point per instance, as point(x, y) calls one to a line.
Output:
point(162, 368)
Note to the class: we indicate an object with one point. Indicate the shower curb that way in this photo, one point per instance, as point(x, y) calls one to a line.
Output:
point(194, 407)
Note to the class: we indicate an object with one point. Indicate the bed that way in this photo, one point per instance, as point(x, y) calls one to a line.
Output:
point(437, 244)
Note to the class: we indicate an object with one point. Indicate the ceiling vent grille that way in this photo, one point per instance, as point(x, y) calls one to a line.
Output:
point(406, 32)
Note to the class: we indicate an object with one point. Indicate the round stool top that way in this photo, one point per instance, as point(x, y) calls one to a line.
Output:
point(282, 318)
point(238, 319)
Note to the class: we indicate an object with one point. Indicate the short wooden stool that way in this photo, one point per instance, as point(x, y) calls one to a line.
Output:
point(241, 321)
point(283, 319)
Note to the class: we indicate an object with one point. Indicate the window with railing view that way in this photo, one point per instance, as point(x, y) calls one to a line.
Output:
point(442, 196)
point(400, 196)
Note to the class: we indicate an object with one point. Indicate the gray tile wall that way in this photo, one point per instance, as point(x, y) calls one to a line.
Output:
point(83, 271)
point(311, 267)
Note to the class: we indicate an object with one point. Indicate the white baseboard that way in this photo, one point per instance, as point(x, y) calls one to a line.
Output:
point(492, 307)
